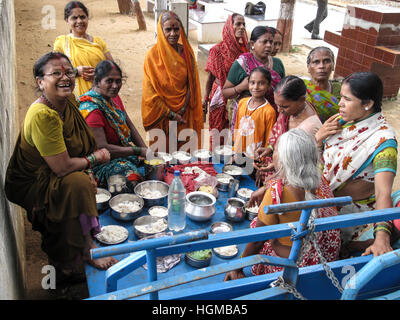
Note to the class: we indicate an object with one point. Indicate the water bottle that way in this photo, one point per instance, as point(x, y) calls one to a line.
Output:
point(176, 204)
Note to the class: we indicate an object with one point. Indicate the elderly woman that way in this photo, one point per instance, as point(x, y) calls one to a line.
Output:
point(360, 157)
point(171, 88)
point(298, 179)
point(294, 112)
point(322, 93)
point(237, 84)
point(111, 125)
point(47, 173)
point(220, 59)
point(84, 51)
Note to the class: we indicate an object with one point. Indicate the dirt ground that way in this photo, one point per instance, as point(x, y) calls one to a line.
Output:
point(128, 47)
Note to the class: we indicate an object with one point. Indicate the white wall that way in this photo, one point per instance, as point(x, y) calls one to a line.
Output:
point(12, 240)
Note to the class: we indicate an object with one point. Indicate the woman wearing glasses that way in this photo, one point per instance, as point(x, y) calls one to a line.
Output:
point(84, 51)
point(111, 125)
point(47, 174)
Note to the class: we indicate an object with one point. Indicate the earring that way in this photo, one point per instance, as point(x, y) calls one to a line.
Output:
point(366, 108)
point(252, 48)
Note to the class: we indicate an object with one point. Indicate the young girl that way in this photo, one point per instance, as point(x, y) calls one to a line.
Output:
point(255, 115)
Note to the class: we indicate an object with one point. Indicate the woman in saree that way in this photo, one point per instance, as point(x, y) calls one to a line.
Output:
point(360, 158)
point(47, 174)
point(83, 50)
point(111, 125)
point(322, 93)
point(222, 55)
point(278, 64)
point(237, 84)
point(298, 179)
point(171, 89)
point(294, 112)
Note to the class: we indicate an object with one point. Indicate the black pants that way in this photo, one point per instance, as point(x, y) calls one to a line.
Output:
point(322, 13)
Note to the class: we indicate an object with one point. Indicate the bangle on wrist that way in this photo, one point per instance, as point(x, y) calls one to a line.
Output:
point(89, 165)
point(270, 147)
point(382, 228)
point(137, 150)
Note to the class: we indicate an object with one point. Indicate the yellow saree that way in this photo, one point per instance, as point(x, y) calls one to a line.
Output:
point(81, 52)
point(167, 77)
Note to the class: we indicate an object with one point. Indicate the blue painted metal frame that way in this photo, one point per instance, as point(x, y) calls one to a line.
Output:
point(173, 245)
point(368, 272)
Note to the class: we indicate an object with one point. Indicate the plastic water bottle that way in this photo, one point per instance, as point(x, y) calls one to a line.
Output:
point(176, 204)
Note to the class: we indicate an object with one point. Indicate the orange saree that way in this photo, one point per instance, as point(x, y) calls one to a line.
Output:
point(167, 77)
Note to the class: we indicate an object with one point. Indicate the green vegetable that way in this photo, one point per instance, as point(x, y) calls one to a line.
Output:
point(201, 254)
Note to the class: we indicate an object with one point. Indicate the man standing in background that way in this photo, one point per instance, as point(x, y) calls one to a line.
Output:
point(322, 13)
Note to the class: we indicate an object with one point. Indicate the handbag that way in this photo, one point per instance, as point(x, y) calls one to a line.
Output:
point(257, 9)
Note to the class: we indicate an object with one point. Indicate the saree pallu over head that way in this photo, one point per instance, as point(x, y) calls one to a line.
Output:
point(325, 103)
point(166, 79)
point(93, 100)
point(223, 54)
point(31, 183)
point(81, 52)
point(347, 154)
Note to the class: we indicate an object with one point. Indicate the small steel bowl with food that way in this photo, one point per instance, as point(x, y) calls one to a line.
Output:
point(153, 192)
point(220, 227)
point(234, 171)
point(158, 211)
point(200, 206)
point(244, 194)
point(226, 252)
point(181, 157)
point(202, 155)
point(223, 181)
point(117, 184)
point(235, 210)
point(251, 212)
point(223, 154)
point(147, 225)
point(126, 206)
point(199, 259)
point(103, 196)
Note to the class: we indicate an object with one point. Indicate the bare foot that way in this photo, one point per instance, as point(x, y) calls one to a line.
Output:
point(100, 263)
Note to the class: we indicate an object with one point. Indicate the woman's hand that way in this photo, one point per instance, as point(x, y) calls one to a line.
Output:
point(86, 72)
point(330, 127)
point(234, 274)
point(261, 153)
point(102, 155)
point(380, 246)
point(257, 197)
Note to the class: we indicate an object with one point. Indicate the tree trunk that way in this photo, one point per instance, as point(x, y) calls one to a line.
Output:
point(139, 15)
point(124, 6)
point(285, 23)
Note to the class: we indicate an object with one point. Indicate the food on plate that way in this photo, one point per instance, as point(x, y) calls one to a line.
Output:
point(127, 206)
point(154, 227)
point(112, 234)
point(245, 192)
point(160, 212)
point(200, 254)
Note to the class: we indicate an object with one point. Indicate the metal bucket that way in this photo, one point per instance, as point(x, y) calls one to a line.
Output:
point(154, 172)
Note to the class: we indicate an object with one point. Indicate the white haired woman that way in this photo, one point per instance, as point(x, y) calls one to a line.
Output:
point(297, 179)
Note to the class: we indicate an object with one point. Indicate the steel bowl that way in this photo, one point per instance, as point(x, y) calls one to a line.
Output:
point(176, 159)
point(203, 155)
point(125, 216)
point(117, 184)
point(250, 214)
point(200, 206)
point(165, 209)
point(235, 210)
point(223, 186)
point(240, 194)
point(245, 162)
point(103, 205)
point(221, 156)
point(196, 263)
point(148, 220)
point(234, 171)
point(153, 185)
point(221, 226)
point(223, 255)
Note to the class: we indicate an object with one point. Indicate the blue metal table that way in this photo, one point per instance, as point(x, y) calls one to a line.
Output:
point(96, 278)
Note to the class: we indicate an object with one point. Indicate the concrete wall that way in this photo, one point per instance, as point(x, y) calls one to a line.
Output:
point(12, 240)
